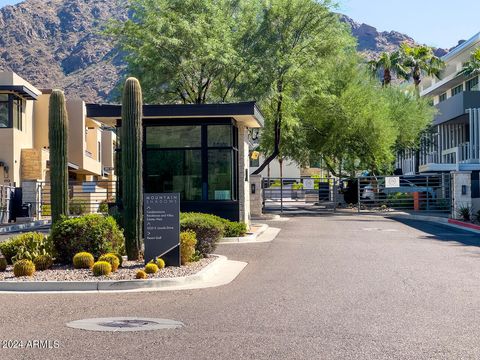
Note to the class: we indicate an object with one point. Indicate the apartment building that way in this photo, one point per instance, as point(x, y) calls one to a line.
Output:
point(454, 143)
point(24, 148)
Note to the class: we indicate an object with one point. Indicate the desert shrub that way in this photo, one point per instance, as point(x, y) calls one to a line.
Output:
point(188, 240)
point(83, 260)
point(160, 263)
point(3, 263)
point(102, 268)
point(78, 207)
point(141, 274)
point(103, 207)
point(112, 259)
point(465, 213)
point(151, 268)
point(43, 262)
point(120, 259)
point(94, 233)
point(23, 268)
point(26, 246)
point(234, 228)
point(196, 256)
point(208, 229)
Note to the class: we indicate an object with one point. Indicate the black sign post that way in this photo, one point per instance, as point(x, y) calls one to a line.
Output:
point(161, 226)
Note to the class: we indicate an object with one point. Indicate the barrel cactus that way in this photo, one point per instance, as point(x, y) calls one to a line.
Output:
point(83, 260)
point(160, 263)
point(131, 139)
point(151, 268)
point(141, 274)
point(3, 263)
point(58, 143)
point(102, 268)
point(112, 259)
point(23, 268)
point(43, 262)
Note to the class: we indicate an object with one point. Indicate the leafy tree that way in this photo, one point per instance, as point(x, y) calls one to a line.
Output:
point(188, 51)
point(389, 64)
point(421, 61)
point(472, 66)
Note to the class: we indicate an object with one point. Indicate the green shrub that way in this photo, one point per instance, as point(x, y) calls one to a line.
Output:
point(196, 256)
point(160, 263)
point(151, 268)
point(26, 246)
point(3, 263)
point(23, 268)
point(465, 213)
point(188, 240)
point(208, 229)
point(112, 259)
point(78, 207)
point(234, 228)
point(94, 233)
point(297, 186)
point(102, 268)
point(83, 260)
point(103, 207)
point(43, 262)
point(141, 274)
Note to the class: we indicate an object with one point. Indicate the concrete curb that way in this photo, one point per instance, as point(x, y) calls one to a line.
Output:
point(26, 226)
point(248, 238)
point(435, 219)
point(220, 272)
point(267, 236)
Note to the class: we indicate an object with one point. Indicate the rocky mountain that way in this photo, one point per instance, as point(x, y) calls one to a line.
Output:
point(372, 42)
point(58, 43)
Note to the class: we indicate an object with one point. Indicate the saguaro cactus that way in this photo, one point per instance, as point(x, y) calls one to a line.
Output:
point(131, 159)
point(58, 140)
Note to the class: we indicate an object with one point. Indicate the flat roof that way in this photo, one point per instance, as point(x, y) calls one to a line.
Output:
point(245, 112)
point(21, 90)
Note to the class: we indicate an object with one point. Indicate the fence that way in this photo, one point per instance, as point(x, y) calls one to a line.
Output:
point(429, 193)
point(296, 194)
point(85, 197)
point(6, 198)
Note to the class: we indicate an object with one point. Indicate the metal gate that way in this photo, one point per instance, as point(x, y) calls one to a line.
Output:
point(427, 193)
point(306, 194)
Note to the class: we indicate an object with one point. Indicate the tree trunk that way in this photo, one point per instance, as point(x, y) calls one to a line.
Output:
point(387, 77)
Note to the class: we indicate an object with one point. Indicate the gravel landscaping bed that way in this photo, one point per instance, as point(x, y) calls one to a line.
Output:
point(127, 272)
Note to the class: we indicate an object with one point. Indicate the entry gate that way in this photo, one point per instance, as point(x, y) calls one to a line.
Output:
point(306, 194)
point(427, 193)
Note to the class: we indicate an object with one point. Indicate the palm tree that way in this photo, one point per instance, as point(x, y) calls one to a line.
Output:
point(472, 66)
point(389, 64)
point(421, 61)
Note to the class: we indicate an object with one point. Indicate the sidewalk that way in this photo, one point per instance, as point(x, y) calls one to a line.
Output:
point(11, 228)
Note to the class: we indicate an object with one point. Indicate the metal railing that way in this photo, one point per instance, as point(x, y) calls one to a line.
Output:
point(85, 197)
point(6, 196)
point(429, 193)
point(289, 194)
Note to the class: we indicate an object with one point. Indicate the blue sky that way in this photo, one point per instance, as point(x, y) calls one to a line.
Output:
point(439, 23)
point(427, 21)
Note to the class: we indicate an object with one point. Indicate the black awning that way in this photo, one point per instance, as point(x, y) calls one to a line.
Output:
point(21, 90)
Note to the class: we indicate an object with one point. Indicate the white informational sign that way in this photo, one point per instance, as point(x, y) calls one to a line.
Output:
point(392, 182)
point(308, 184)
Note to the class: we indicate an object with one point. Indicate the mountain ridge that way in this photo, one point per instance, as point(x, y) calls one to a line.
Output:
point(57, 44)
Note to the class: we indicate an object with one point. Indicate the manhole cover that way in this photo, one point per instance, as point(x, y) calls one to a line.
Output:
point(125, 324)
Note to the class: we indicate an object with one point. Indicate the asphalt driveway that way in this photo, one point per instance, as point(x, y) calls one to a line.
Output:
point(332, 287)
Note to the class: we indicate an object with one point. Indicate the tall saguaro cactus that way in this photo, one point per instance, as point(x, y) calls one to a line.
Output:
point(58, 140)
point(131, 158)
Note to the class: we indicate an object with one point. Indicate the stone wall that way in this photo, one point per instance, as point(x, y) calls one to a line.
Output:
point(461, 191)
point(256, 196)
point(34, 164)
point(243, 175)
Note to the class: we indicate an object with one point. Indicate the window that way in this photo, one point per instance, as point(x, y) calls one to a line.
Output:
point(4, 123)
point(457, 90)
point(11, 111)
point(173, 137)
point(442, 97)
point(198, 161)
point(472, 84)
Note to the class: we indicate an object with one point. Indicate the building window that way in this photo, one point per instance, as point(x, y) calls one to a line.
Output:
point(4, 122)
point(442, 97)
point(11, 111)
point(197, 161)
point(472, 84)
point(457, 89)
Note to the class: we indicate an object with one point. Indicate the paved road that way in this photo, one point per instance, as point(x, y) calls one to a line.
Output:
point(338, 287)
